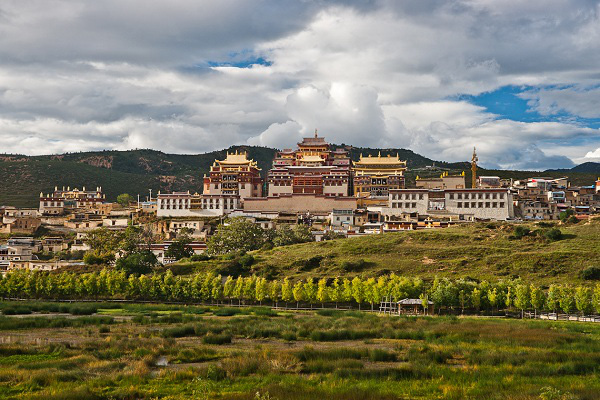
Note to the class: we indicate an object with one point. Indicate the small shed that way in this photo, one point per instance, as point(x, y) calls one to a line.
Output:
point(414, 307)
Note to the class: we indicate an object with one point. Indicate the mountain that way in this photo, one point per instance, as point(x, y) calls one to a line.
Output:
point(585, 168)
point(137, 171)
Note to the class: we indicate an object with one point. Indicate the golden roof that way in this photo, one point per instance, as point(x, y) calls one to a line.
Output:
point(379, 160)
point(237, 158)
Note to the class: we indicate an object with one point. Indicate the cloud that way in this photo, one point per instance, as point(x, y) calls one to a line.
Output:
point(580, 101)
point(194, 76)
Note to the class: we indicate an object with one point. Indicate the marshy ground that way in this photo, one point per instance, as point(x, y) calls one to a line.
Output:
point(134, 351)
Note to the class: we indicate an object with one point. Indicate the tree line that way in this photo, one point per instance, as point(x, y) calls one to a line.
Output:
point(446, 294)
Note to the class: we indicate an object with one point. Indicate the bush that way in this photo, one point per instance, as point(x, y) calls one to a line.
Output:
point(227, 312)
point(354, 266)
point(179, 331)
point(590, 273)
point(199, 257)
point(553, 234)
point(222, 338)
point(83, 310)
point(521, 231)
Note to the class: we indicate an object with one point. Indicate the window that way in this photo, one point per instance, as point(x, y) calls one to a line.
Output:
point(487, 195)
point(473, 204)
point(451, 196)
point(501, 204)
point(459, 204)
point(487, 204)
point(466, 205)
point(495, 204)
point(414, 205)
point(481, 204)
point(501, 196)
point(420, 197)
point(495, 196)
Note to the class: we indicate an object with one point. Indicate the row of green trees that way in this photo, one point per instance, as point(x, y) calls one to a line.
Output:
point(208, 287)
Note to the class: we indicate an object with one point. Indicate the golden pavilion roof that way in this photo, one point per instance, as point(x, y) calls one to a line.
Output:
point(237, 158)
point(379, 160)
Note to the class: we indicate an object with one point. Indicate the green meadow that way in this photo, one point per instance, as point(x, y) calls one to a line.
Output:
point(160, 351)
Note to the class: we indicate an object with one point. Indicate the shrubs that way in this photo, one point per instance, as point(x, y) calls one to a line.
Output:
point(590, 273)
point(520, 232)
point(354, 266)
point(222, 338)
point(553, 234)
point(343, 334)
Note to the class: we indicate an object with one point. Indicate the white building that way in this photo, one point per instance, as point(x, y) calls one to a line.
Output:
point(184, 204)
point(467, 204)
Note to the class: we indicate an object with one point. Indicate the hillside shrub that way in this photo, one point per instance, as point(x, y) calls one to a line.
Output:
point(520, 232)
point(590, 273)
point(553, 234)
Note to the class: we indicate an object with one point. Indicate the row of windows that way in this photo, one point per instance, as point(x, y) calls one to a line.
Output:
point(53, 204)
point(407, 196)
point(406, 205)
point(480, 204)
point(479, 196)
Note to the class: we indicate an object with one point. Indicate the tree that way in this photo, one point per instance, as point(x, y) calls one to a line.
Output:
point(310, 291)
point(537, 297)
point(217, 288)
point(262, 289)
point(238, 291)
point(462, 300)
point(596, 298)
point(286, 235)
point(322, 291)
point(137, 263)
point(275, 292)
point(249, 290)
point(238, 235)
point(371, 293)
point(287, 292)
point(125, 199)
point(522, 297)
point(476, 298)
point(567, 299)
point(358, 291)
point(298, 292)
point(583, 299)
point(509, 299)
point(228, 288)
point(493, 298)
point(336, 293)
point(179, 248)
point(347, 290)
point(553, 299)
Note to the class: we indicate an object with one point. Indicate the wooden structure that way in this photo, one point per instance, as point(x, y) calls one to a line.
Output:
point(414, 307)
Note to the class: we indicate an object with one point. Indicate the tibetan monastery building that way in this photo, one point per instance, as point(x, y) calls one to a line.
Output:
point(236, 175)
point(374, 177)
point(311, 169)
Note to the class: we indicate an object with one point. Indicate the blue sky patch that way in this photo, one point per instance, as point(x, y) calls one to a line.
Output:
point(506, 104)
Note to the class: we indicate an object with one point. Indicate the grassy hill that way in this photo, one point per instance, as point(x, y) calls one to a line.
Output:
point(479, 251)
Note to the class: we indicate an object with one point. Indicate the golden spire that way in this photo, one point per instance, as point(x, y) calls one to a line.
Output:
point(474, 160)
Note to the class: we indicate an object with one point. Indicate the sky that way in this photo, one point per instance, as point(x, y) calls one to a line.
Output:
point(520, 80)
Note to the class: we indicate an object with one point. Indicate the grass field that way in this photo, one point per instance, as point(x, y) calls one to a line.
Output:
point(159, 351)
point(480, 251)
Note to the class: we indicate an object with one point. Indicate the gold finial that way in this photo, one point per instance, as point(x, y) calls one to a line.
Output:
point(417, 178)
point(379, 154)
point(463, 173)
